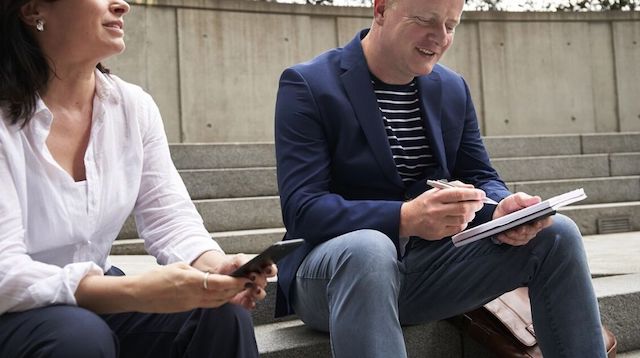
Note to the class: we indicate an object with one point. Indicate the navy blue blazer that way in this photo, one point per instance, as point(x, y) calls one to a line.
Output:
point(336, 173)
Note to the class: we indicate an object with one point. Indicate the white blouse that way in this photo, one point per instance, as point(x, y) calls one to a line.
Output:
point(54, 231)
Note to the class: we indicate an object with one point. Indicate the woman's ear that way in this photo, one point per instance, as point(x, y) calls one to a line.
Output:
point(30, 13)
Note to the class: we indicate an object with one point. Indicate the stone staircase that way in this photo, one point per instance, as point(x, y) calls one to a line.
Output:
point(234, 188)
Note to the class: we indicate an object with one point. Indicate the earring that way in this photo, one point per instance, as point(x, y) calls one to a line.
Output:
point(40, 25)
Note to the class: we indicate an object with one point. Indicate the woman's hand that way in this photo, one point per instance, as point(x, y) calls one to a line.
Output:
point(226, 264)
point(249, 297)
point(177, 287)
point(173, 288)
point(180, 287)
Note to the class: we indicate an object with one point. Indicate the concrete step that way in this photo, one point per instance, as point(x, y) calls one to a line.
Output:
point(252, 182)
point(632, 354)
point(249, 182)
point(598, 190)
point(223, 155)
point(253, 213)
point(562, 144)
point(613, 254)
point(246, 241)
point(262, 154)
point(246, 225)
point(605, 218)
point(531, 146)
point(567, 166)
point(610, 142)
point(619, 300)
point(230, 183)
point(625, 163)
point(292, 339)
point(233, 214)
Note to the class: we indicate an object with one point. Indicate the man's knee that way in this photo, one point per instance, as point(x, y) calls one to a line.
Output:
point(564, 237)
point(370, 248)
point(367, 261)
point(564, 226)
point(70, 331)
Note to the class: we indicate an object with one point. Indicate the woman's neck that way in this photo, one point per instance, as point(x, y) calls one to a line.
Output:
point(70, 87)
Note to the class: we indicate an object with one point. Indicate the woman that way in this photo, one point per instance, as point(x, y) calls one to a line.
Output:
point(79, 151)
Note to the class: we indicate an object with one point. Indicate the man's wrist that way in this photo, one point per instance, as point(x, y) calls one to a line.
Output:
point(404, 230)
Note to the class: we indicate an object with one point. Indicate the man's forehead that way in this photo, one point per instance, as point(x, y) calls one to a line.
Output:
point(450, 9)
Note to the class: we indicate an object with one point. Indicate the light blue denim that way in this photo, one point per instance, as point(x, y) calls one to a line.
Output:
point(354, 287)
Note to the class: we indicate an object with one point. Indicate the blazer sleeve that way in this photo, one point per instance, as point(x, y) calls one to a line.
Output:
point(309, 209)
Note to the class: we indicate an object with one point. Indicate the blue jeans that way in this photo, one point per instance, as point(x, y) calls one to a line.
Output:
point(354, 287)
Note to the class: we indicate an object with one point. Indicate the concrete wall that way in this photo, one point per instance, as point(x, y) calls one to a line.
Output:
point(213, 66)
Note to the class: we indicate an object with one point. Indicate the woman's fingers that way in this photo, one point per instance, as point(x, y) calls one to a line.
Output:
point(180, 287)
point(270, 270)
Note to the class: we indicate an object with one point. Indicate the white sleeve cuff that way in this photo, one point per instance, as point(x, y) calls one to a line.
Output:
point(61, 288)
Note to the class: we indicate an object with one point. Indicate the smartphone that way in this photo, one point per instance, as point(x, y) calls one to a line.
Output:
point(269, 256)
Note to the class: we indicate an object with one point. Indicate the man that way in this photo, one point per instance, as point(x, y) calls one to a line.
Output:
point(359, 129)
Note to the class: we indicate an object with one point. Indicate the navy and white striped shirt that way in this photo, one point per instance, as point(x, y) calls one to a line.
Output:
point(403, 122)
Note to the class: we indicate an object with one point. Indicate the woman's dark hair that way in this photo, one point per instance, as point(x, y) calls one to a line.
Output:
point(24, 70)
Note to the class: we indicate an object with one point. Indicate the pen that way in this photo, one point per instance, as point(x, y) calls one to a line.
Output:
point(443, 185)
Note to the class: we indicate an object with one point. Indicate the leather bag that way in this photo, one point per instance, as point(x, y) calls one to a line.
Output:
point(505, 328)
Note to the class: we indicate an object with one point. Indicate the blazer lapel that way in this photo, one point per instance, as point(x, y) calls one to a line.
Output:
point(357, 83)
point(430, 88)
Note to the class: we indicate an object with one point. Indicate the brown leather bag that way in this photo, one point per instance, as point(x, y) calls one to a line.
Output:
point(505, 328)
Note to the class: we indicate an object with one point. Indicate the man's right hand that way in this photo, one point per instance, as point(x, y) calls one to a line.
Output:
point(439, 213)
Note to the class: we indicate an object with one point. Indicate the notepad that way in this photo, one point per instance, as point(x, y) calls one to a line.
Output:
point(535, 212)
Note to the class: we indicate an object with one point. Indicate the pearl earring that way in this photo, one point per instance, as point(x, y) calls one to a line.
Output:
point(40, 25)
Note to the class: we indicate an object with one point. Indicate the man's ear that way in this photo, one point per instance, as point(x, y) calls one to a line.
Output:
point(379, 7)
point(30, 12)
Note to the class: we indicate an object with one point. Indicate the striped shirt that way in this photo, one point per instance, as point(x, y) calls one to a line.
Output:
point(403, 122)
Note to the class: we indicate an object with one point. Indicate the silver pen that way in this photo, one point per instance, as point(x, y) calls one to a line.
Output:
point(444, 185)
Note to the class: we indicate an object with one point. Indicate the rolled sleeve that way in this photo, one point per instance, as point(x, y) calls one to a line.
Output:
point(61, 286)
point(166, 217)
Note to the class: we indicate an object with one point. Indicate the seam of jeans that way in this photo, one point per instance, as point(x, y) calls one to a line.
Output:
point(333, 351)
point(547, 303)
point(554, 327)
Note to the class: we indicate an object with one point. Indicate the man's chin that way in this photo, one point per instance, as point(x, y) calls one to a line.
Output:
point(424, 70)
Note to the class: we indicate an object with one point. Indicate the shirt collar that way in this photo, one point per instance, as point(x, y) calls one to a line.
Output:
point(40, 124)
point(106, 89)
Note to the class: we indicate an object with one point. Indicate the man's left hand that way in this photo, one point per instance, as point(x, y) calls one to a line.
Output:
point(522, 234)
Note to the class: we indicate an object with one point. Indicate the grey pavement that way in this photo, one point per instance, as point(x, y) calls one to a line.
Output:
point(613, 254)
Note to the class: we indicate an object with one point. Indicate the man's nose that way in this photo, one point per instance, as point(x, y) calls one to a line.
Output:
point(439, 35)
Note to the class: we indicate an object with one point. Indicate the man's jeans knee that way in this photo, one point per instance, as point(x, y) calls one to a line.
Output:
point(348, 283)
